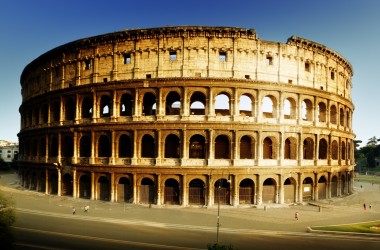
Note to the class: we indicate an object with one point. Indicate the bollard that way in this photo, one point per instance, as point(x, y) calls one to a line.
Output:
point(320, 209)
point(265, 208)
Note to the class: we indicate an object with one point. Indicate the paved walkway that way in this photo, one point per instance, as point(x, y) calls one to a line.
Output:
point(334, 211)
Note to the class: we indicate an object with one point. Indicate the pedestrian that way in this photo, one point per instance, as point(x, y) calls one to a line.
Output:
point(364, 206)
point(74, 210)
point(370, 206)
point(86, 208)
point(296, 215)
point(361, 186)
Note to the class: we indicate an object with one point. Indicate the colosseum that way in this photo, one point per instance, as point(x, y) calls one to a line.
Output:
point(188, 116)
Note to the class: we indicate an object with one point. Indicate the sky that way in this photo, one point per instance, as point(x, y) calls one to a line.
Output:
point(351, 28)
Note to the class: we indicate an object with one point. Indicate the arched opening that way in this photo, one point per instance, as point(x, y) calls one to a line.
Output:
point(334, 150)
point(290, 148)
point(222, 147)
point(197, 192)
point(222, 192)
point(247, 148)
point(67, 185)
point(222, 105)
point(45, 113)
point(341, 117)
point(67, 146)
point(125, 146)
point(245, 107)
point(53, 152)
point(173, 104)
point(53, 183)
point(146, 191)
point(290, 108)
point(105, 106)
point(333, 114)
point(172, 195)
point(149, 104)
point(104, 146)
point(343, 150)
point(290, 190)
point(42, 181)
point(197, 147)
point(69, 109)
point(104, 188)
point(269, 191)
point(148, 147)
point(124, 190)
point(172, 146)
point(308, 149)
point(197, 104)
point(87, 104)
point(322, 188)
point(343, 184)
point(246, 192)
point(307, 189)
point(322, 112)
point(126, 105)
point(268, 148)
point(85, 146)
point(85, 187)
point(334, 186)
point(269, 106)
point(307, 110)
point(322, 151)
point(55, 111)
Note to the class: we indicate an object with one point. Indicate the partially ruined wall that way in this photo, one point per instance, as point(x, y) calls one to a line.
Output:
point(122, 111)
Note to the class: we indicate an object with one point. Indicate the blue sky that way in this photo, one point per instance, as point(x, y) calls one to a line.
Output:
point(352, 28)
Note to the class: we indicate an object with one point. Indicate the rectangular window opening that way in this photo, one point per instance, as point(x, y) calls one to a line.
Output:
point(105, 79)
point(307, 67)
point(173, 55)
point(269, 60)
point(127, 58)
point(222, 56)
point(148, 76)
point(321, 87)
point(332, 75)
point(290, 81)
point(87, 64)
point(247, 77)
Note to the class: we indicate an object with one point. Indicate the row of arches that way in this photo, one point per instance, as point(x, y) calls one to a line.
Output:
point(250, 104)
point(123, 145)
point(171, 190)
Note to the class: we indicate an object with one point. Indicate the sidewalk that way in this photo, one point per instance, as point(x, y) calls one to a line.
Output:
point(334, 211)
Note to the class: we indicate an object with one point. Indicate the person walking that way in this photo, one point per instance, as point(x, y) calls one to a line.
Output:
point(296, 215)
point(74, 210)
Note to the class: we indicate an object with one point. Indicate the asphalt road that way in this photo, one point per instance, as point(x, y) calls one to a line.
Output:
point(46, 222)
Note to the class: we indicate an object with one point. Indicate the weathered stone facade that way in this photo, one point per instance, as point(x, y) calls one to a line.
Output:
point(183, 115)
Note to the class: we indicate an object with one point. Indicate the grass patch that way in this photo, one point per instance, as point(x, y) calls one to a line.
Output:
point(367, 178)
point(366, 227)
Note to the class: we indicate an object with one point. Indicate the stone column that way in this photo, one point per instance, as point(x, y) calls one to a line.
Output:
point(159, 191)
point(235, 188)
point(75, 184)
point(185, 196)
point(259, 191)
point(59, 193)
point(93, 186)
point(210, 201)
point(113, 189)
point(135, 187)
point(46, 181)
point(300, 195)
point(281, 191)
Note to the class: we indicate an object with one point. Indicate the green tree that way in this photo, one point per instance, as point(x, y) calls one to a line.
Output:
point(7, 218)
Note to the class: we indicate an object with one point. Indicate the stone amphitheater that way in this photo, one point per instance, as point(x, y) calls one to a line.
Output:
point(188, 116)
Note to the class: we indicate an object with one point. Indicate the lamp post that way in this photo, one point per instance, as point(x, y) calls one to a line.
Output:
point(218, 223)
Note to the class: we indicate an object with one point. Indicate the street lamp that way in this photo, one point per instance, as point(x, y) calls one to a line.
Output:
point(218, 223)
